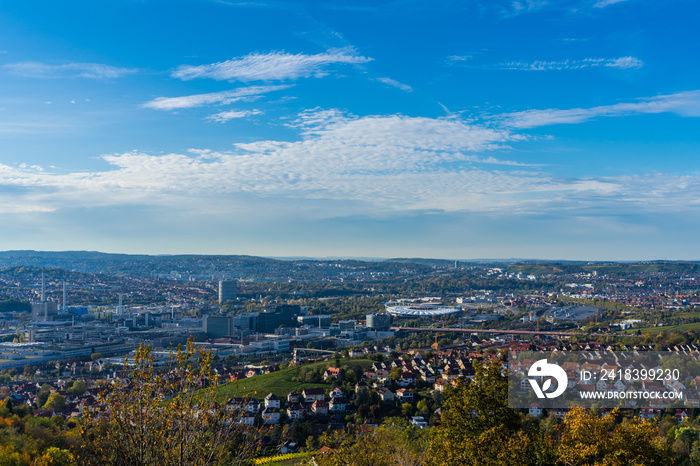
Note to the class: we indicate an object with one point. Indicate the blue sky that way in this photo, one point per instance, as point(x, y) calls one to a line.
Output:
point(528, 129)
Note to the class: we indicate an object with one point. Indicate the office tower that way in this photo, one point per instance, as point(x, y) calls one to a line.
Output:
point(227, 290)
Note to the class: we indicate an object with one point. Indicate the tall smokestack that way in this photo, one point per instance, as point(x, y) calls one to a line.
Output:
point(43, 286)
point(64, 296)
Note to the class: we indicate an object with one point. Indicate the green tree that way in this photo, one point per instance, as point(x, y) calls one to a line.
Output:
point(394, 443)
point(55, 457)
point(78, 388)
point(55, 401)
point(395, 373)
point(478, 428)
point(43, 395)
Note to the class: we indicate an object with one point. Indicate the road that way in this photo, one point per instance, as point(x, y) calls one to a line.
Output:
point(494, 331)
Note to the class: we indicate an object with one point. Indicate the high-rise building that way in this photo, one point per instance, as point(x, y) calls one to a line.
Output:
point(227, 290)
point(379, 322)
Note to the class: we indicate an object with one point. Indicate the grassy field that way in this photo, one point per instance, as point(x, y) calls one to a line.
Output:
point(280, 383)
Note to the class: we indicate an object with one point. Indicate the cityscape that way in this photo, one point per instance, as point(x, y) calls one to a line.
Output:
point(349, 233)
point(305, 348)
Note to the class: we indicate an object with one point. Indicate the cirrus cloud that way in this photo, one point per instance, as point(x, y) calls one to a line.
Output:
point(32, 69)
point(272, 66)
point(622, 63)
point(682, 103)
point(223, 117)
point(370, 165)
point(212, 98)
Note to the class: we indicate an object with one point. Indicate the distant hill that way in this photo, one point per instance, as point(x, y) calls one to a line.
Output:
point(208, 266)
point(212, 267)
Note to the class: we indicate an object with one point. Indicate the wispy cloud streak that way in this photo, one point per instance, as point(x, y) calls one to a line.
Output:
point(273, 66)
point(223, 117)
point(396, 84)
point(67, 70)
point(541, 65)
point(213, 98)
point(604, 3)
point(682, 103)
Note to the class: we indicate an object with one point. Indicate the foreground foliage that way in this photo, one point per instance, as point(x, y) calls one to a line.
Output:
point(477, 428)
point(27, 440)
point(165, 416)
point(392, 443)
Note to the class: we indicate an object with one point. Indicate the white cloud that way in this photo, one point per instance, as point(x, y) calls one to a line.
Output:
point(271, 66)
point(67, 70)
point(223, 117)
point(213, 98)
point(682, 103)
point(540, 65)
point(396, 84)
point(604, 3)
point(350, 165)
point(382, 162)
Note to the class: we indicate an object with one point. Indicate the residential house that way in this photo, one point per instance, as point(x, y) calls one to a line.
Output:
point(535, 409)
point(339, 404)
point(313, 394)
point(386, 395)
point(272, 401)
point(331, 373)
point(293, 397)
point(404, 395)
point(296, 411)
point(319, 408)
point(419, 421)
point(271, 415)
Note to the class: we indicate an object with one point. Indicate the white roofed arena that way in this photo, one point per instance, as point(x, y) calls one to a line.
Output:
point(424, 307)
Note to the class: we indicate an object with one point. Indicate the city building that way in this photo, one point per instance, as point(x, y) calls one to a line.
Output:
point(218, 326)
point(282, 316)
point(227, 290)
point(320, 321)
point(379, 322)
point(247, 321)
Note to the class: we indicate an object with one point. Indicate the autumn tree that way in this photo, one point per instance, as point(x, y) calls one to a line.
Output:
point(590, 440)
point(478, 428)
point(394, 443)
point(165, 415)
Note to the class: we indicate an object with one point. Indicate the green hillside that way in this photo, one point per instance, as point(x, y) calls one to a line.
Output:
point(280, 383)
